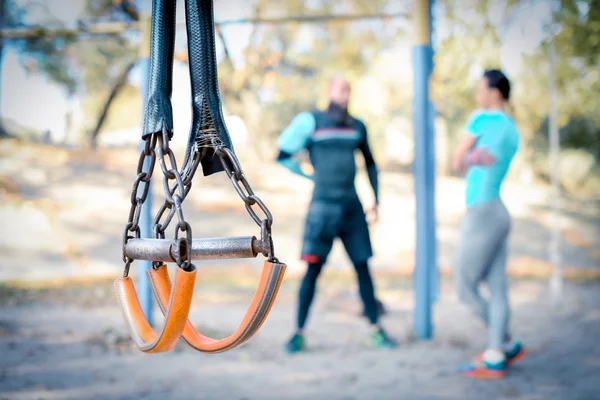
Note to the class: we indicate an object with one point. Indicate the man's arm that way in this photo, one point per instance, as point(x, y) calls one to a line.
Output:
point(370, 165)
point(293, 139)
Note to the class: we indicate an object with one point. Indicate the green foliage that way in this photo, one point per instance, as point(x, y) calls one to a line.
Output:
point(79, 63)
point(580, 34)
point(48, 55)
point(286, 67)
point(577, 74)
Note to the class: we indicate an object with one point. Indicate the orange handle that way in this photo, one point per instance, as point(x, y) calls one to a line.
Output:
point(179, 302)
point(269, 284)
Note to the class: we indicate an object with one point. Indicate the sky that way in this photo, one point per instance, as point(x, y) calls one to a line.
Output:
point(45, 100)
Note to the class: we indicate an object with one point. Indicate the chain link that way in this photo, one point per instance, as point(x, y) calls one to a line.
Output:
point(138, 196)
point(185, 261)
point(234, 171)
point(176, 193)
point(174, 196)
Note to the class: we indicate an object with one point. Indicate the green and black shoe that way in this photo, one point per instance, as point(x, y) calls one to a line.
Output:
point(295, 344)
point(380, 339)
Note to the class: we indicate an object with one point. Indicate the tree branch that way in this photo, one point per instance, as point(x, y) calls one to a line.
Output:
point(219, 33)
point(111, 97)
point(129, 8)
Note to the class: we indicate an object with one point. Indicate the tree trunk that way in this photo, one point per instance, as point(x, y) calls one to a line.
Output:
point(111, 97)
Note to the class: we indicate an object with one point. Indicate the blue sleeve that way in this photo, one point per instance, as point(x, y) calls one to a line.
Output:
point(297, 135)
point(474, 124)
point(293, 166)
point(293, 139)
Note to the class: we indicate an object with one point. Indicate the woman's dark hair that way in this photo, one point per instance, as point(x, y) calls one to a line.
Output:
point(497, 80)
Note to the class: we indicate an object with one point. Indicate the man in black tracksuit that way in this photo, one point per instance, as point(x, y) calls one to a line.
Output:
point(331, 138)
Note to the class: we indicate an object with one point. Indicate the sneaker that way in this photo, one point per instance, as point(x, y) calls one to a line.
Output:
point(295, 344)
point(513, 356)
point(483, 370)
point(380, 339)
point(516, 354)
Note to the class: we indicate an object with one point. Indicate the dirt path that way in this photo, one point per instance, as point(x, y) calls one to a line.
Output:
point(62, 215)
point(60, 345)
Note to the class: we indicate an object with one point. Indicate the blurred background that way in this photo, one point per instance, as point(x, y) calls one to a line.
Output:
point(70, 124)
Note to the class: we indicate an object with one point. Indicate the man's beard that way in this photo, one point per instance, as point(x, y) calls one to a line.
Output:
point(338, 114)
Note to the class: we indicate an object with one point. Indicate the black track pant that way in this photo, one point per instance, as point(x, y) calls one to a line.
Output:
point(309, 283)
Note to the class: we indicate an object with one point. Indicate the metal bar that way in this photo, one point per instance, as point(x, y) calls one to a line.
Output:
point(202, 249)
point(310, 19)
point(97, 28)
point(2, 50)
point(117, 27)
point(150, 249)
point(432, 248)
point(233, 247)
point(424, 173)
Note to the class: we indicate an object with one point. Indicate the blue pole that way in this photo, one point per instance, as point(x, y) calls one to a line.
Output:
point(424, 173)
point(3, 44)
point(143, 285)
point(1, 61)
point(435, 287)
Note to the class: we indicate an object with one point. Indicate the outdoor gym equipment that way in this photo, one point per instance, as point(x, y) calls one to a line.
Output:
point(209, 145)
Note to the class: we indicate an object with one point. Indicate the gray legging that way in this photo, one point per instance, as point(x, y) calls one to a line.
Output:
point(481, 257)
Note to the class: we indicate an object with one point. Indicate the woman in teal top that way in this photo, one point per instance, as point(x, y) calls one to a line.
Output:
point(486, 152)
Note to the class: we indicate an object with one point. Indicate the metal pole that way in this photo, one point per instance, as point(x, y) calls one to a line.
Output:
point(117, 27)
point(202, 248)
point(556, 281)
point(432, 249)
point(424, 173)
point(144, 290)
point(2, 49)
point(79, 28)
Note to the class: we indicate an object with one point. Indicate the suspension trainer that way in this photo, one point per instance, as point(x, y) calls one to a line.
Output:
point(209, 146)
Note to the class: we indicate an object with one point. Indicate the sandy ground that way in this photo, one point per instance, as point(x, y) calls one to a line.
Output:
point(63, 213)
point(63, 346)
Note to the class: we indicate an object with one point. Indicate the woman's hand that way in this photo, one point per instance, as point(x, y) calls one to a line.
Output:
point(479, 157)
point(457, 162)
point(461, 151)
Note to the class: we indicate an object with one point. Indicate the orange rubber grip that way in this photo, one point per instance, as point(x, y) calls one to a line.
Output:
point(269, 284)
point(176, 314)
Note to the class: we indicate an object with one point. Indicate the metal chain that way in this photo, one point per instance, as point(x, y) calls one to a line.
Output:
point(174, 197)
point(139, 193)
point(233, 169)
point(176, 193)
point(160, 224)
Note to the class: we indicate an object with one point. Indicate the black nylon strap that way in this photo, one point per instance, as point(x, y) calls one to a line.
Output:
point(207, 115)
point(158, 109)
point(204, 80)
